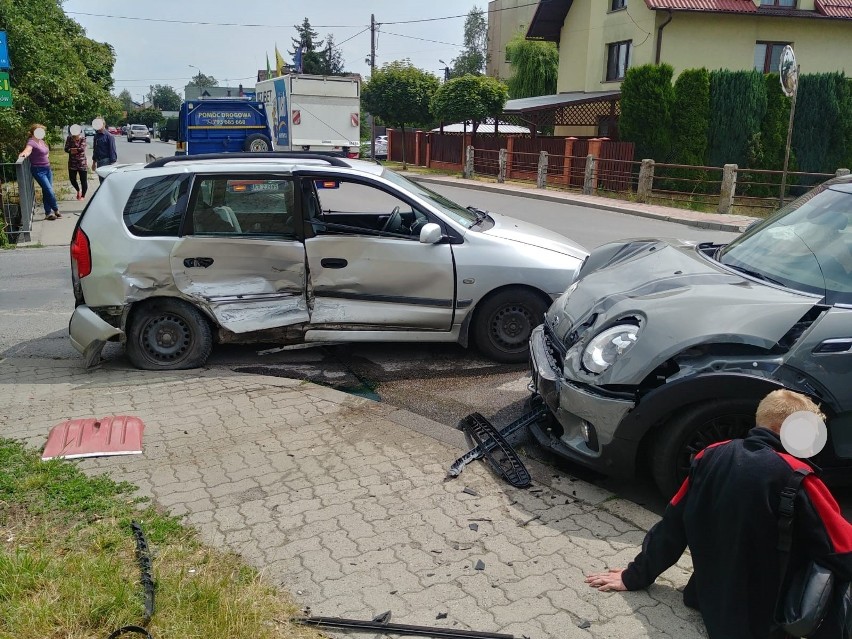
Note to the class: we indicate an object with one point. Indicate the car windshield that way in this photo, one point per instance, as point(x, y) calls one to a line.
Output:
point(455, 211)
point(806, 246)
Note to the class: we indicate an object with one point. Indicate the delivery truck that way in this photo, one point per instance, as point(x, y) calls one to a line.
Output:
point(316, 113)
point(222, 125)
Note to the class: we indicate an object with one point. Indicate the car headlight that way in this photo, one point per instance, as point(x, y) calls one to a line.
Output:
point(606, 347)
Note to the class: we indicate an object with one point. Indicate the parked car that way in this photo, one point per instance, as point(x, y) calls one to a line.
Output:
point(292, 248)
point(382, 147)
point(662, 347)
point(124, 130)
point(114, 130)
point(89, 131)
point(138, 132)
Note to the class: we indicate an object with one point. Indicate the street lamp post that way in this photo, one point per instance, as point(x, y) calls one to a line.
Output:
point(446, 70)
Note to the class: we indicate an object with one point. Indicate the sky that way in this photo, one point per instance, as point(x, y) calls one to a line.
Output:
point(152, 52)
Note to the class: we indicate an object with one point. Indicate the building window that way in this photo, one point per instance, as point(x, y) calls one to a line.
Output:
point(617, 60)
point(767, 56)
point(618, 4)
point(778, 3)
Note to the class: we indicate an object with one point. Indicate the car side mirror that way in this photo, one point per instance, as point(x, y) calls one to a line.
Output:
point(430, 234)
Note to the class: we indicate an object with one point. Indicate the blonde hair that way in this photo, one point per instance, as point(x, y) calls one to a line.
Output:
point(779, 405)
point(36, 126)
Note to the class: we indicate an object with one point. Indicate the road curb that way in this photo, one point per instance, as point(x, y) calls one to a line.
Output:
point(566, 198)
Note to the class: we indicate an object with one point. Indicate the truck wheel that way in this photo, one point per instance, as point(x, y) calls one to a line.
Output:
point(257, 143)
point(503, 324)
point(168, 334)
point(691, 431)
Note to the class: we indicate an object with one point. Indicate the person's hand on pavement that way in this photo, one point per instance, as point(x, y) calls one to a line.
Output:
point(606, 581)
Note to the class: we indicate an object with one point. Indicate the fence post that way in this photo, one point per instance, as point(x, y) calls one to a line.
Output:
point(510, 150)
point(501, 161)
point(541, 178)
point(729, 188)
point(566, 166)
point(646, 181)
point(841, 172)
point(589, 177)
point(468, 163)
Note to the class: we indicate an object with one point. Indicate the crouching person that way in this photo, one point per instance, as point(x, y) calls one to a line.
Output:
point(726, 512)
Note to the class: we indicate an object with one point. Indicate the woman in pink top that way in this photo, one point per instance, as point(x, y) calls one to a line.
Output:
point(37, 151)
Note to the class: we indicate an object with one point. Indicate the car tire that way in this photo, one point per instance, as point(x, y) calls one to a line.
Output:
point(168, 334)
point(257, 143)
point(692, 430)
point(148, 140)
point(504, 321)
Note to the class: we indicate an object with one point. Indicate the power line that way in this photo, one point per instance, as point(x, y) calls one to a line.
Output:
point(337, 44)
point(464, 15)
point(399, 35)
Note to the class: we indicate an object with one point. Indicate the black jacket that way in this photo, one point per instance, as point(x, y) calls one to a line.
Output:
point(103, 147)
point(727, 513)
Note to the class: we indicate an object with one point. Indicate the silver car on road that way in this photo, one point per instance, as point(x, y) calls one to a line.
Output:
point(182, 253)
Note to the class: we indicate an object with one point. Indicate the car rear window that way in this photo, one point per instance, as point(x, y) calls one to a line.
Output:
point(139, 127)
point(156, 205)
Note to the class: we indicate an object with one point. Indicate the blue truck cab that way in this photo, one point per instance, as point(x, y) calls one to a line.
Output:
point(222, 125)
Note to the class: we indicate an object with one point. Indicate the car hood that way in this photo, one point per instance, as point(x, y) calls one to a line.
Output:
point(509, 228)
point(679, 297)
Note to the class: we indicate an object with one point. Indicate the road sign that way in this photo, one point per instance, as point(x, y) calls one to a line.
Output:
point(4, 51)
point(5, 90)
point(789, 71)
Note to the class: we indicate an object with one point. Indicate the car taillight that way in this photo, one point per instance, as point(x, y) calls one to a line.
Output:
point(81, 255)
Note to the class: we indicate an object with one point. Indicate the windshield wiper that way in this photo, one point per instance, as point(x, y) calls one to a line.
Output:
point(481, 215)
point(756, 274)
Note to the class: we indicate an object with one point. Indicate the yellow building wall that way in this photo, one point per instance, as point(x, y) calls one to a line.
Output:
point(728, 41)
point(505, 18)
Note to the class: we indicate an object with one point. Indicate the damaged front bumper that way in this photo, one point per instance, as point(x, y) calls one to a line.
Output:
point(89, 333)
point(587, 420)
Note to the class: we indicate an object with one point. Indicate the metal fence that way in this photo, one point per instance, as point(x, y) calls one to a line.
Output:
point(17, 200)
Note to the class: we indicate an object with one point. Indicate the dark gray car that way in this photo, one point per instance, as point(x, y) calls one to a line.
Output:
point(662, 347)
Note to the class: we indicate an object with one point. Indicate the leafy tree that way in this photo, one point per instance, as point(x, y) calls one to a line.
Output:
point(400, 94)
point(58, 75)
point(535, 67)
point(691, 116)
point(473, 57)
point(646, 103)
point(204, 81)
point(126, 100)
point(165, 98)
point(470, 97)
point(148, 117)
point(312, 48)
point(332, 58)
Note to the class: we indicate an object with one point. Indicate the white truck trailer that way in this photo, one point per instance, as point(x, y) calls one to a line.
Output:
point(314, 113)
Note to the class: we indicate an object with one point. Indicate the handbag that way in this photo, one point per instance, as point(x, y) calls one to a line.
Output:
point(812, 602)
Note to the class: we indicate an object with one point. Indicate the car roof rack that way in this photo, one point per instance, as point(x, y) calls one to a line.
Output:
point(333, 160)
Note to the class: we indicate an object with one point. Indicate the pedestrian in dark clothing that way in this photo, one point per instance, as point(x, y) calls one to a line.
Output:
point(38, 152)
point(103, 148)
point(75, 147)
point(726, 511)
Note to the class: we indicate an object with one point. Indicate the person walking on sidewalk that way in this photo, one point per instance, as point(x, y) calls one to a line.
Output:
point(75, 147)
point(38, 151)
point(103, 147)
point(727, 512)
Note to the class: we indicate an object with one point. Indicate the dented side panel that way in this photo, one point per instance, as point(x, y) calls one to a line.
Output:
point(381, 281)
point(246, 284)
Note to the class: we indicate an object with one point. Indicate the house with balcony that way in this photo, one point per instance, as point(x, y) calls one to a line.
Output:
point(599, 40)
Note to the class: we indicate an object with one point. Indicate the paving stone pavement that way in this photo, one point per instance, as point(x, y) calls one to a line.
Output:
point(345, 502)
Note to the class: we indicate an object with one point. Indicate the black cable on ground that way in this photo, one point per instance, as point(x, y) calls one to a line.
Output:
point(143, 558)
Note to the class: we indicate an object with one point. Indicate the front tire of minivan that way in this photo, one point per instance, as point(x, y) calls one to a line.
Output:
point(168, 334)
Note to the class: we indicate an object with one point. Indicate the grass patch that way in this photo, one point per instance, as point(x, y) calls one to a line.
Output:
point(67, 565)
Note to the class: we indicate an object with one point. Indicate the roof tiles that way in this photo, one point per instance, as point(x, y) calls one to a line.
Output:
point(835, 8)
point(728, 6)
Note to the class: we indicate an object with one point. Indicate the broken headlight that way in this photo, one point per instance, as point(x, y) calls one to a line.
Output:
point(606, 347)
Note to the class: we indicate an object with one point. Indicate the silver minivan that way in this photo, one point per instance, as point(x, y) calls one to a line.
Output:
point(174, 256)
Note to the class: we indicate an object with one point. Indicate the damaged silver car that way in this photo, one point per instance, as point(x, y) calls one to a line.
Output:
point(174, 256)
point(662, 347)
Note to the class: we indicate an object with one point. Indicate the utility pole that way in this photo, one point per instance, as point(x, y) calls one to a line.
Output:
point(372, 73)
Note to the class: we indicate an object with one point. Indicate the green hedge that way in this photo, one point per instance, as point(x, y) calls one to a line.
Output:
point(737, 107)
point(646, 102)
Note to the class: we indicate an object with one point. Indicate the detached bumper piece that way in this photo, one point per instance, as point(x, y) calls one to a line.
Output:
point(491, 444)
